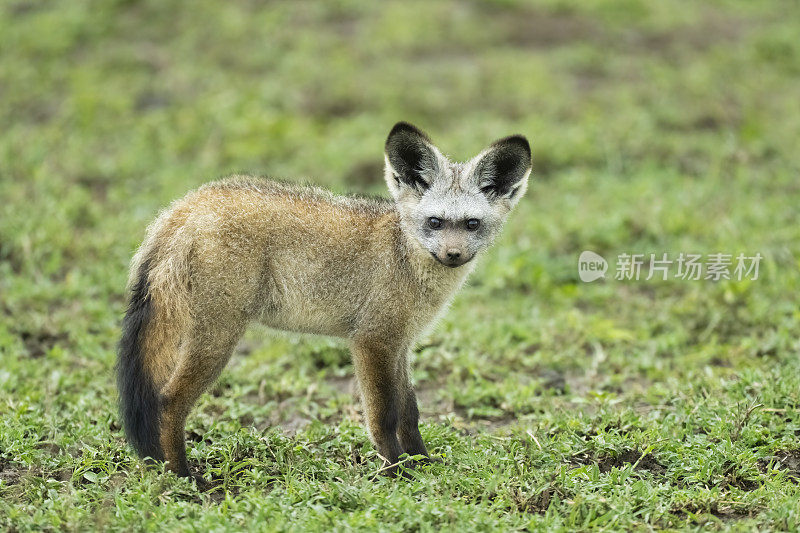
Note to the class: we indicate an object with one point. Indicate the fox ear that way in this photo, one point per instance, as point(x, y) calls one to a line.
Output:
point(502, 169)
point(411, 159)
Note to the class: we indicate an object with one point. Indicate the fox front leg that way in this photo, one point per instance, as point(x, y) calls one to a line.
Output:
point(378, 375)
point(408, 429)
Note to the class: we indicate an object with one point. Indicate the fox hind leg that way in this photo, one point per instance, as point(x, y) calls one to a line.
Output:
point(205, 354)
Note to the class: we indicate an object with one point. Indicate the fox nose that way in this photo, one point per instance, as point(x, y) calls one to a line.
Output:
point(452, 257)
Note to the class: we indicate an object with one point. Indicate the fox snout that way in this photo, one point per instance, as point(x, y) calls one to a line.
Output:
point(452, 257)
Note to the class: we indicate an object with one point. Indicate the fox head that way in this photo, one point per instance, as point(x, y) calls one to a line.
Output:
point(454, 210)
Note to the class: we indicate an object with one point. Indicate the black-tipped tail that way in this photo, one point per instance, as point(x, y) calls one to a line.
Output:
point(139, 403)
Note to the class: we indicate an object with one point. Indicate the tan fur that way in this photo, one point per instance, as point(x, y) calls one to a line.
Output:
point(293, 258)
point(238, 250)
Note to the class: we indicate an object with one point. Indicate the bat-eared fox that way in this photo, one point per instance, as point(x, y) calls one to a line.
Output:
point(375, 272)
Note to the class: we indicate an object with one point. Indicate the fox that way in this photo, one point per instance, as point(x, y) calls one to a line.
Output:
point(377, 272)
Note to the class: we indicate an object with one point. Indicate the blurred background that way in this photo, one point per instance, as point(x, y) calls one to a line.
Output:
point(656, 127)
point(110, 109)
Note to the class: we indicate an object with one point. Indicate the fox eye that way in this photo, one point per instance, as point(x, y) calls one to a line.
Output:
point(473, 223)
point(434, 223)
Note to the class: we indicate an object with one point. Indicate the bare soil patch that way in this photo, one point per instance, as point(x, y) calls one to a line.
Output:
point(605, 462)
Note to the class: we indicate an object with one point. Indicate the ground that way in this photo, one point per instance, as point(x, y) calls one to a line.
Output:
point(657, 127)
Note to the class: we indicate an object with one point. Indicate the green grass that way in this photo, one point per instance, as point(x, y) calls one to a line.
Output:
point(555, 404)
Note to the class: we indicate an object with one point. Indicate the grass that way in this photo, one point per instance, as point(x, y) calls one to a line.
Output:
point(555, 404)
